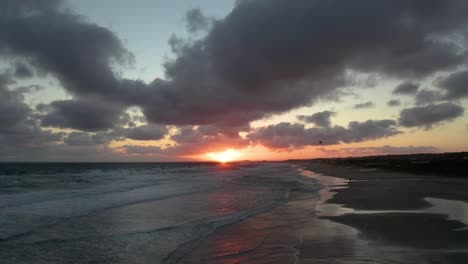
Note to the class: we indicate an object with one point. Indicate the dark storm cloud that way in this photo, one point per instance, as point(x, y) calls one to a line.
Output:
point(319, 119)
point(86, 115)
point(80, 54)
point(427, 116)
point(13, 110)
point(79, 139)
point(287, 135)
point(455, 86)
point(23, 71)
point(90, 139)
point(406, 88)
point(368, 104)
point(55, 40)
point(22, 139)
point(430, 56)
point(427, 96)
point(267, 57)
point(20, 134)
point(369, 130)
point(394, 102)
point(146, 132)
point(17, 124)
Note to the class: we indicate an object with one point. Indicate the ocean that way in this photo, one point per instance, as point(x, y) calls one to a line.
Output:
point(153, 212)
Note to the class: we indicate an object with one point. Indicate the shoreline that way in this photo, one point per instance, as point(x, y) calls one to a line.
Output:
point(336, 226)
point(424, 214)
point(379, 189)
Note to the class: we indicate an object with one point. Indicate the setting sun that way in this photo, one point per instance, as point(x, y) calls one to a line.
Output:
point(225, 156)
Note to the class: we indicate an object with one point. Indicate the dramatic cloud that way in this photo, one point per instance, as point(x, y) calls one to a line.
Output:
point(265, 57)
point(394, 102)
point(13, 110)
point(78, 53)
point(455, 86)
point(321, 119)
point(20, 134)
point(287, 135)
point(370, 130)
point(427, 96)
point(191, 140)
point(262, 58)
point(146, 132)
point(406, 88)
point(23, 71)
point(235, 75)
point(364, 105)
point(86, 115)
point(87, 139)
point(427, 116)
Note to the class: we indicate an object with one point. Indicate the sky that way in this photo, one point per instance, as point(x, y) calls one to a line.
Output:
point(153, 80)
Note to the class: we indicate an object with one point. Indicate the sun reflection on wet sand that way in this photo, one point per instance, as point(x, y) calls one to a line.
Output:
point(297, 233)
point(275, 236)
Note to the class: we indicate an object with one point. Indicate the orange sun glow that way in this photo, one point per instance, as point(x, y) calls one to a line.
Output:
point(225, 156)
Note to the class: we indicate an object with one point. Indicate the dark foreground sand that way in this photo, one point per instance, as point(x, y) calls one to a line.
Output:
point(378, 217)
point(386, 195)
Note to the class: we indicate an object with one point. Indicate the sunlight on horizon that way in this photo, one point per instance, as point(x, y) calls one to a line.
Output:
point(225, 156)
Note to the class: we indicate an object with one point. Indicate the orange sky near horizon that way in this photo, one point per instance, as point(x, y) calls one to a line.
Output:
point(193, 81)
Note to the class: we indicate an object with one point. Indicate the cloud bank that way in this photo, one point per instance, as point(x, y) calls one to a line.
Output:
point(406, 88)
point(427, 116)
point(265, 57)
point(287, 135)
point(321, 119)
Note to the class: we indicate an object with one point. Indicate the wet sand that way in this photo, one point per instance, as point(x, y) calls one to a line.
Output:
point(425, 214)
point(378, 217)
point(371, 189)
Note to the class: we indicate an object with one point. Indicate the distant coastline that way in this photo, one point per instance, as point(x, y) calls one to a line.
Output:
point(453, 164)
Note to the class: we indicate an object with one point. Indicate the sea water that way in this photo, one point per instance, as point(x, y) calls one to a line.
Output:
point(132, 212)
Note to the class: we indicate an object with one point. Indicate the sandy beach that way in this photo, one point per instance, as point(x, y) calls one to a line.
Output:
point(378, 217)
point(422, 215)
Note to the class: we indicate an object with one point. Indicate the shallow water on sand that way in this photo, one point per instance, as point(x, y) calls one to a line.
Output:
point(188, 213)
point(299, 231)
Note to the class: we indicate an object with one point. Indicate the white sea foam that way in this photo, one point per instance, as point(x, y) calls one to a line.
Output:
point(144, 214)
